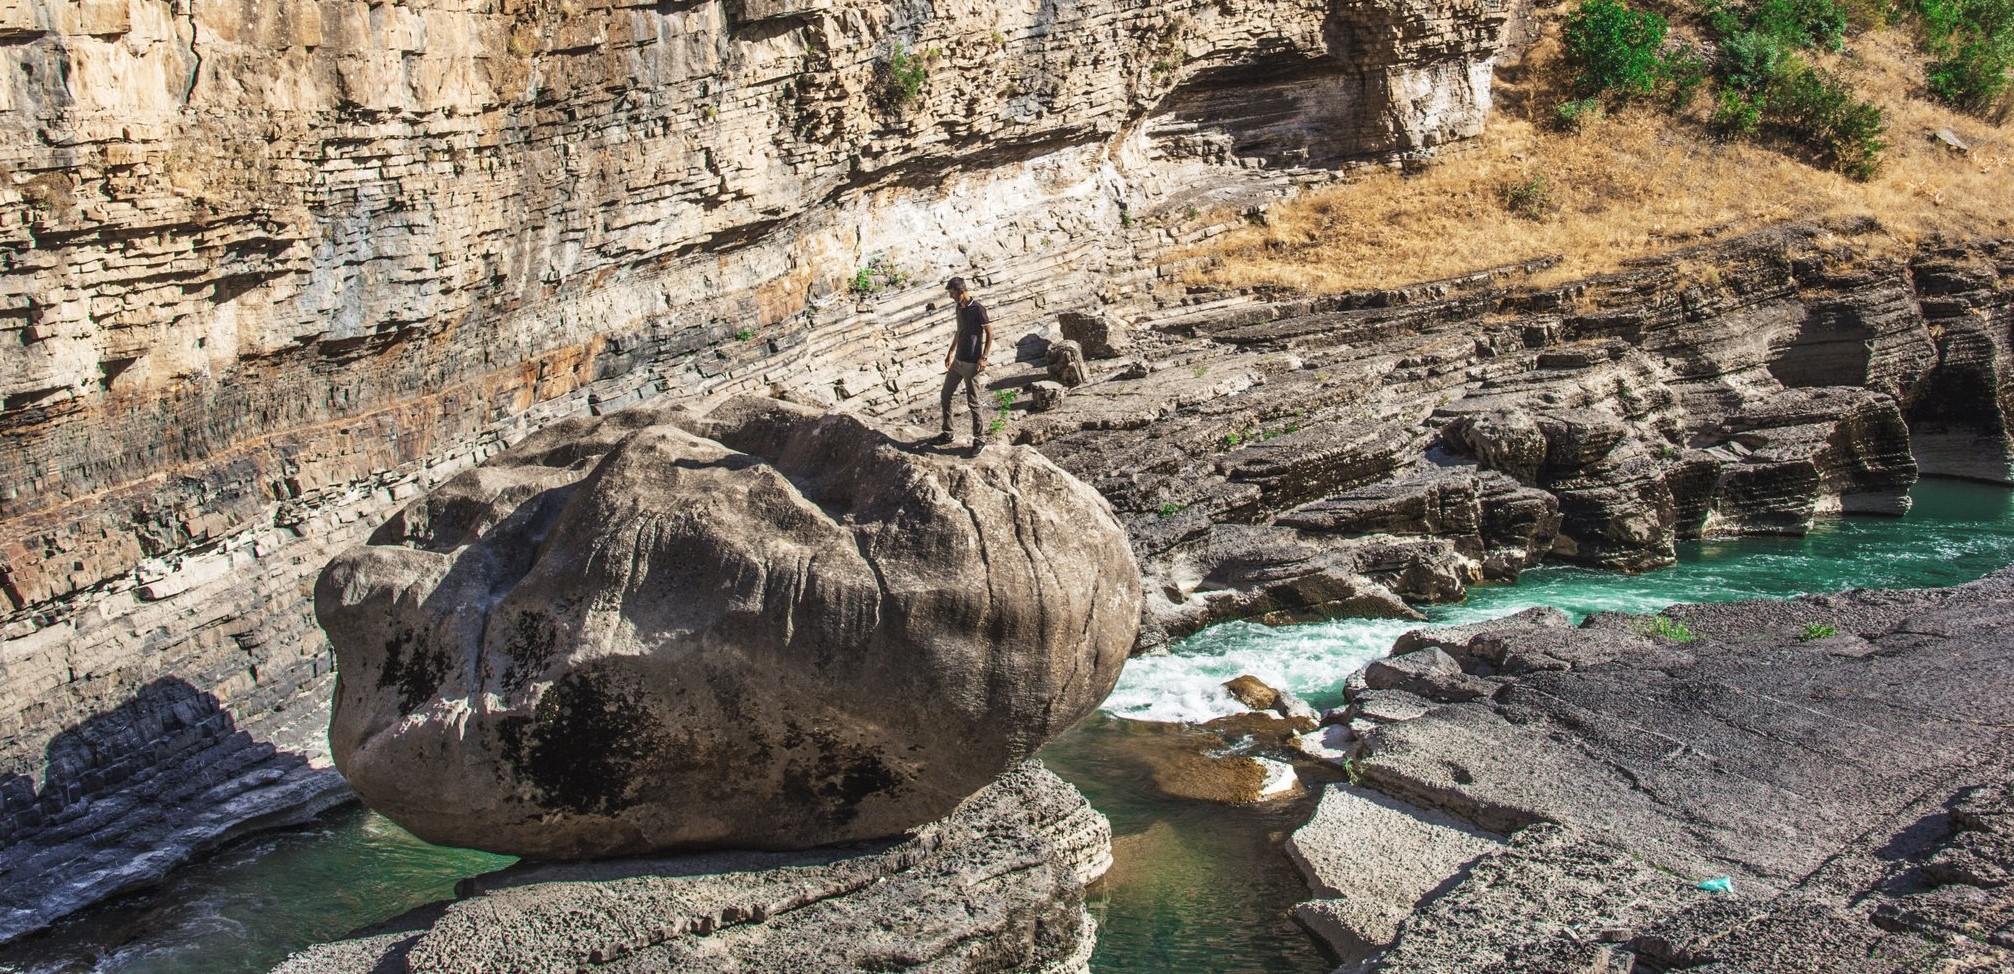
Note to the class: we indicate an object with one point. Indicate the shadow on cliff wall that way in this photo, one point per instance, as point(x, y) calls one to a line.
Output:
point(166, 746)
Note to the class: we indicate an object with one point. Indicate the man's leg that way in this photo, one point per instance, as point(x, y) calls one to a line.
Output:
point(951, 378)
point(972, 402)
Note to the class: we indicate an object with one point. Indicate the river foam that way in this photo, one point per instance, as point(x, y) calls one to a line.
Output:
point(1958, 532)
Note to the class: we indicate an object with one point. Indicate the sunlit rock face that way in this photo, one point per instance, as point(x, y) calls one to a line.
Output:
point(269, 271)
point(765, 627)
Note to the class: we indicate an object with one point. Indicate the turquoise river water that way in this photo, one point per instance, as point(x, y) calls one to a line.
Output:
point(1196, 886)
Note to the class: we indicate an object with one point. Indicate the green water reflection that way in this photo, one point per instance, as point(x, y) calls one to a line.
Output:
point(242, 910)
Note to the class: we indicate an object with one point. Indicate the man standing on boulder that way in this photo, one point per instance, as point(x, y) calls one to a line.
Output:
point(965, 360)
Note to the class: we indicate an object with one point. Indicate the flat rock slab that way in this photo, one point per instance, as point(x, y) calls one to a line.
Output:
point(1370, 859)
point(995, 887)
point(1746, 752)
point(1553, 900)
point(1858, 789)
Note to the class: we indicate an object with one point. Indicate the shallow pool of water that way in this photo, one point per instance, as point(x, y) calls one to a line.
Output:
point(243, 909)
point(1196, 887)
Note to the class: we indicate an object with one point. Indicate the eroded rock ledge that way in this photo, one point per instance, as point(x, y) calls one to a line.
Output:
point(995, 888)
point(1294, 459)
point(1854, 786)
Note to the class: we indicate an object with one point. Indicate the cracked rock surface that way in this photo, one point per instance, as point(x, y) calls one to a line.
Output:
point(995, 887)
point(1854, 787)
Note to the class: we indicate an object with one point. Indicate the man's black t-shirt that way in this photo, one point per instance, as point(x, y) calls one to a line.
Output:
point(972, 321)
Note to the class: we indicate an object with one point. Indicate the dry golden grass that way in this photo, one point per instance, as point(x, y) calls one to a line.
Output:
point(1634, 184)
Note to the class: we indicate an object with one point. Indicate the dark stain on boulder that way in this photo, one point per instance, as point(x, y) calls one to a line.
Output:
point(415, 667)
point(583, 746)
point(840, 776)
point(528, 650)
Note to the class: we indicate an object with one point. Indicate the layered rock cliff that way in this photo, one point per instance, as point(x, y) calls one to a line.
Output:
point(1294, 458)
point(268, 271)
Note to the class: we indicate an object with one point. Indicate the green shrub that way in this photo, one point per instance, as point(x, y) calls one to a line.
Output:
point(1768, 89)
point(1972, 42)
point(1004, 399)
point(1170, 509)
point(1750, 60)
point(879, 275)
point(1683, 70)
point(1530, 198)
point(903, 75)
point(1802, 23)
point(1736, 115)
point(1817, 630)
point(1666, 627)
point(1792, 24)
point(1614, 48)
point(1578, 115)
point(1821, 111)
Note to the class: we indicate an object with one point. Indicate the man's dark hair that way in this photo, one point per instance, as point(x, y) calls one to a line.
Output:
point(955, 284)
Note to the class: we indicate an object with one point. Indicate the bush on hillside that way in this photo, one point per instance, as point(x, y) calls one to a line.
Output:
point(1972, 42)
point(1614, 48)
point(1821, 111)
point(1767, 88)
point(1683, 71)
point(1578, 115)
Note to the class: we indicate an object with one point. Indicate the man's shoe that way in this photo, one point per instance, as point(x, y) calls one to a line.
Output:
point(975, 449)
point(943, 439)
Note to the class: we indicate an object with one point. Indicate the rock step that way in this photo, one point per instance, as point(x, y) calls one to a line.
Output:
point(995, 888)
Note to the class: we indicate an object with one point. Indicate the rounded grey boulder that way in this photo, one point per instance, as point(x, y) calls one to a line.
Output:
point(764, 627)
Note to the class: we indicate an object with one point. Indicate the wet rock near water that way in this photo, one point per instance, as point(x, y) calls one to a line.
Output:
point(996, 887)
point(762, 627)
point(1844, 759)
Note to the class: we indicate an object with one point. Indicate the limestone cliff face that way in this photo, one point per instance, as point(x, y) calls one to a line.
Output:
point(268, 270)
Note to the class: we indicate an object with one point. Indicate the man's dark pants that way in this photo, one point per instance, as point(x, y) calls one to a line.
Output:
point(967, 373)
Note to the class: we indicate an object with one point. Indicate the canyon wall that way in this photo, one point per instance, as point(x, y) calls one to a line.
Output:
point(269, 270)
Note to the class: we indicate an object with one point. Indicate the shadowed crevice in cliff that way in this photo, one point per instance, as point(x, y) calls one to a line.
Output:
point(1285, 108)
point(130, 793)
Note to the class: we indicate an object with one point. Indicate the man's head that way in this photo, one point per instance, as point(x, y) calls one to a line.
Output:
point(956, 288)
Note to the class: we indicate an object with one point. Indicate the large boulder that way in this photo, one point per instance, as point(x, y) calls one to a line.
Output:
point(763, 627)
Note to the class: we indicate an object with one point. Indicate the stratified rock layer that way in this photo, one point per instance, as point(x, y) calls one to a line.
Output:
point(1286, 459)
point(766, 627)
point(995, 888)
point(268, 271)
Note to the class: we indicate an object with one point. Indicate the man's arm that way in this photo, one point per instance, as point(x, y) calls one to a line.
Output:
point(986, 326)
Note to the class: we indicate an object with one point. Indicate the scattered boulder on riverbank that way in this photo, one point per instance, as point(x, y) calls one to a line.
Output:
point(762, 627)
point(996, 887)
point(1846, 759)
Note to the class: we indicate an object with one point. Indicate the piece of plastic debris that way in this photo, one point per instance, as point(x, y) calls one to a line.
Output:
point(1718, 884)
